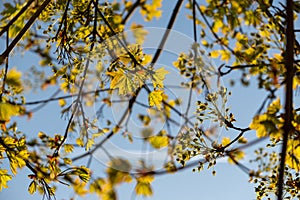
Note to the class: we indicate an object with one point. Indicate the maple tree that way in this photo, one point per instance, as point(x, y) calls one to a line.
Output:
point(87, 42)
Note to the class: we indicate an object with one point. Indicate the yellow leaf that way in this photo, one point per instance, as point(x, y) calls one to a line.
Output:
point(97, 185)
point(117, 19)
point(225, 55)
point(143, 189)
point(32, 187)
point(79, 141)
point(296, 82)
point(68, 148)
point(139, 33)
point(151, 10)
point(217, 25)
point(242, 140)
point(168, 109)
point(79, 187)
point(62, 102)
point(225, 141)
point(13, 79)
point(155, 98)
point(4, 178)
point(145, 179)
point(118, 171)
point(8, 110)
point(158, 141)
point(170, 167)
point(67, 161)
point(236, 156)
point(122, 82)
point(146, 59)
point(274, 107)
point(214, 54)
point(293, 154)
point(89, 144)
point(204, 43)
point(158, 77)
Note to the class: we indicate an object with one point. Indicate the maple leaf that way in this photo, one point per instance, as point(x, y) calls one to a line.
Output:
point(158, 77)
point(122, 82)
point(155, 98)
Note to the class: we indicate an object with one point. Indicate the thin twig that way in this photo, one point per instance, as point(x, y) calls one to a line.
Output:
point(167, 32)
point(63, 97)
point(130, 11)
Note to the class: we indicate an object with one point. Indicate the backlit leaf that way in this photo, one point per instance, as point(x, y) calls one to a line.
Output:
point(32, 187)
point(121, 81)
point(158, 141)
point(4, 178)
point(155, 98)
point(8, 110)
point(158, 77)
point(13, 79)
point(225, 141)
point(143, 189)
point(236, 156)
point(293, 154)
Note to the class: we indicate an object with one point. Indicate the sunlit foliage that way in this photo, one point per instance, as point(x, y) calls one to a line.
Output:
point(88, 44)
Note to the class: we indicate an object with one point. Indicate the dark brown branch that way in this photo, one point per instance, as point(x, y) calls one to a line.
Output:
point(194, 59)
point(5, 54)
point(237, 138)
point(238, 164)
point(289, 61)
point(64, 18)
point(167, 32)
point(6, 68)
point(130, 11)
point(230, 68)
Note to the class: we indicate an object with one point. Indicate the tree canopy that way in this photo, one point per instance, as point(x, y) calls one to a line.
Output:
point(113, 70)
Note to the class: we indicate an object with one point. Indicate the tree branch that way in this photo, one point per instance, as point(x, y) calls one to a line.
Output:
point(289, 61)
point(12, 21)
point(5, 54)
